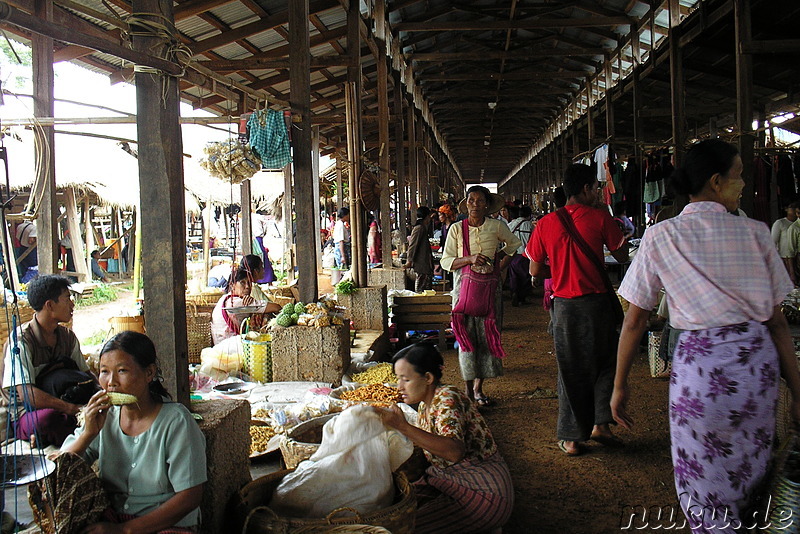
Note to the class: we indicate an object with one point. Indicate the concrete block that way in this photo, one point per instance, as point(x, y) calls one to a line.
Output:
point(226, 426)
point(367, 308)
point(391, 278)
point(308, 353)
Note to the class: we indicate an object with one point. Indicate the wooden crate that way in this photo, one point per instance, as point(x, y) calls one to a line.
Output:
point(422, 313)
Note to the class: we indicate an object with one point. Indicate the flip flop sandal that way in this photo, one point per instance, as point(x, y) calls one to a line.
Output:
point(562, 445)
point(484, 401)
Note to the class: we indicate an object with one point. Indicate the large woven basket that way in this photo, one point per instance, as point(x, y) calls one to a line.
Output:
point(303, 440)
point(198, 331)
point(250, 510)
point(783, 415)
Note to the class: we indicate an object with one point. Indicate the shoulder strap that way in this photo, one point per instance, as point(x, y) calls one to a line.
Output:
point(465, 236)
point(569, 226)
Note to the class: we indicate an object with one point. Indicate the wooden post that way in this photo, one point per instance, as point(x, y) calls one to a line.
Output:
point(288, 253)
point(79, 255)
point(609, 100)
point(677, 88)
point(589, 117)
point(413, 164)
point(354, 86)
point(247, 218)
point(744, 101)
point(162, 204)
point(638, 133)
point(44, 142)
point(206, 245)
point(300, 98)
point(400, 151)
point(340, 200)
point(88, 226)
point(317, 195)
point(383, 141)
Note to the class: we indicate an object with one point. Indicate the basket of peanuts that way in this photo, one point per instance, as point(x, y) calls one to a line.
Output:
point(381, 395)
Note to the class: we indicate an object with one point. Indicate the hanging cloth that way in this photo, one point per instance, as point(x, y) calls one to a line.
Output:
point(269, 138)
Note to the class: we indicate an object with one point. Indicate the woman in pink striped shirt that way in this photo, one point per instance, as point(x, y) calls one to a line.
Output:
point(724, 283)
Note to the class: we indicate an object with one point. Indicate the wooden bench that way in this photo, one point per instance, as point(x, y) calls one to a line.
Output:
point(422, 313)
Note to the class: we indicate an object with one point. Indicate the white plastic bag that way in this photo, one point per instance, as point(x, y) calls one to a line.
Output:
point(352, 468)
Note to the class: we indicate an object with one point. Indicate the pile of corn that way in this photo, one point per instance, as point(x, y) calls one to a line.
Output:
point(230, 161)
point(375, 394)
point(378, 374)
point(259, 438)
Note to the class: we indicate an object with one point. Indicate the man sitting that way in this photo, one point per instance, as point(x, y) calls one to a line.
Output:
point(42, 341)
point(97, 271)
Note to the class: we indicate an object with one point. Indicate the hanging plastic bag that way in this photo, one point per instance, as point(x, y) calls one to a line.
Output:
point(352, 468)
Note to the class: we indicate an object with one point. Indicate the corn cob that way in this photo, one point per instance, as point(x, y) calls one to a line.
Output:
point(119, 399)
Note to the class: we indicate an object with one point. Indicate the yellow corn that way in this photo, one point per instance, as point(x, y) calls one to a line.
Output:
point(377, 374)
point(120, 399)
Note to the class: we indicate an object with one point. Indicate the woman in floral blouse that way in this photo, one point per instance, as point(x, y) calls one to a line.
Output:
point(468, 487)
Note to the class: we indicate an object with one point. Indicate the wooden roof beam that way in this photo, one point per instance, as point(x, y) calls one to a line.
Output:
point(265, 24)
point(525, 75)
point(523, 24)
point(495, 55)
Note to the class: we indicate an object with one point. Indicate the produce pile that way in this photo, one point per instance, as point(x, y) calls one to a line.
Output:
point(259, 438)
point(317, 314)
point(378, 374)
point(230, 161)
point(373, 394)
point(346, 287)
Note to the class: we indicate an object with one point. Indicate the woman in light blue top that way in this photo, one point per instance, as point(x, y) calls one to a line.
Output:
point(151, 454)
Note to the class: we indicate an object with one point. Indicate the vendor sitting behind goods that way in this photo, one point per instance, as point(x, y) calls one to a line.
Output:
point(254, 266)
point(97, 271)
point(42, 341)
point(159, 485)
point(468, 486)
point(224, 324)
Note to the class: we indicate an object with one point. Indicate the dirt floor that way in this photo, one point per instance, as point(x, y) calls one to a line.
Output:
point(591, 493)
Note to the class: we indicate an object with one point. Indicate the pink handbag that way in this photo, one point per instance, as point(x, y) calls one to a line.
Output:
point(476, 298)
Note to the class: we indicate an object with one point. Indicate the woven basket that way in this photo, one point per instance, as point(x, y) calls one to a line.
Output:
point(256, 355)
point(25, 315)
point(658, 367)
point(252, 515)
point(303, 440)
point(134, 323)
point(783, 415)
point(203, 299)
point(198, 331)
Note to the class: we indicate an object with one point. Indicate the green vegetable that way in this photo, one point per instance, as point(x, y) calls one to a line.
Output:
point(283, 319)
point(294, 318)
point(288, 309)
point(346, 287)
point(299, 308)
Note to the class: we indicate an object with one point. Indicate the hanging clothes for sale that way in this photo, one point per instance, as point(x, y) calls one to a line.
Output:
point(600, 158)
point(653, 179)
point(269, 138)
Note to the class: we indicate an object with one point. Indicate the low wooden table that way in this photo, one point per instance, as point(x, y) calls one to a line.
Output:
point(422, 313)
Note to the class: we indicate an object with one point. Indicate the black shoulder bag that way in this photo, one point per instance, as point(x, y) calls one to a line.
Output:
point(613, 300)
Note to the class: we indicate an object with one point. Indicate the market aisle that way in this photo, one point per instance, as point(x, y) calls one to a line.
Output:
point(560, 494)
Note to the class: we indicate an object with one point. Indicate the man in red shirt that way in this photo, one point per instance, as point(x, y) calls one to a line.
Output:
point(583, 324)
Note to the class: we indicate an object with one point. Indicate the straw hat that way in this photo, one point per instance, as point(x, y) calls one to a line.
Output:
point(496, 202)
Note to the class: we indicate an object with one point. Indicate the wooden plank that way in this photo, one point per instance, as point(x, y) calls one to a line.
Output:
point(246, 218)
point(44, 142)
point(494, 55)
point(400, 157)
point(677, 83)
point(413, 162)
point(162, 217)
point(744, 101)
point(79, 256)
point(434, 318)
point(770, 46)
point(354, 137)
point(514, 75)
point(316, 196)
point(287, 261)
point(421, 308)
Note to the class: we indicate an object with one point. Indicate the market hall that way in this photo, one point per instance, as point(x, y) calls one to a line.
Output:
point(627, 86)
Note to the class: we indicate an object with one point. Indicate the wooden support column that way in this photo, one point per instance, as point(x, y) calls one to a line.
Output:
point(413, 163)
point(353, 111)
point(79, 255)
point(300, 99)
point(340, 200)
point(400, 154)
point(744, 101)
point(247, 217)
point(288, 224)
point(383, 140)
point(589, 113)
point(162, 218)
point(317, 195)
point(44, 143)
point(207, 215)
point(609, 99)
point(677, 83)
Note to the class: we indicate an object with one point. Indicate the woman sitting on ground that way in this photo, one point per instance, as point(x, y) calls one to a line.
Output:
point(150, 454)
point(468, 486)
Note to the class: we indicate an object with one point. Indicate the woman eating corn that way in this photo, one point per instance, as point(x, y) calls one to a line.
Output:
point(468, 487)
point(150, 453)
